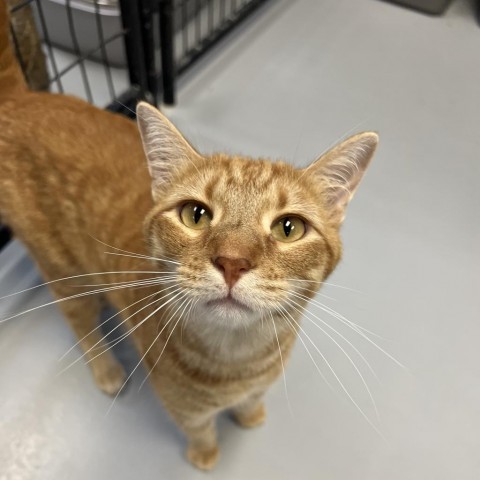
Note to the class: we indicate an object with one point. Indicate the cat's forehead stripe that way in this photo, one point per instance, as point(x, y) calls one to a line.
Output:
point(259, 186)
point(246, 173)
point(282, 198)
point(209, 188)
point(266, 185)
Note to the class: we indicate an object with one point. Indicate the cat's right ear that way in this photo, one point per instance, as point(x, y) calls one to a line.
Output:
point(165, 147)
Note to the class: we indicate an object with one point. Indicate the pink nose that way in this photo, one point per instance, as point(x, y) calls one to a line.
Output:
point(232, 268)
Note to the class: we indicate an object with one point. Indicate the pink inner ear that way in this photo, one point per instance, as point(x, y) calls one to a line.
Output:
point(165, 147)
point(341, 169)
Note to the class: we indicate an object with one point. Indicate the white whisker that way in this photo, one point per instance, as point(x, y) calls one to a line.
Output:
point(103, 323)
point(335, 314)
point(186, 300)
point(305, 311)
point(64, 299)
point(323, 283)
point(188, 316)
point(135, 285)
point(78, 295)
point(124, 335)
point(305, 346)
point(339, 381)
point(139, 363)
point(283, 366)
point(127, 251)
point(163, 279)
point(144, 257)
point(316, 292)
point(357, 328)
point(302, 311)
point(82, 275)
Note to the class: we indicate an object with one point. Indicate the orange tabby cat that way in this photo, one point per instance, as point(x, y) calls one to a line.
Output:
point(221, 244)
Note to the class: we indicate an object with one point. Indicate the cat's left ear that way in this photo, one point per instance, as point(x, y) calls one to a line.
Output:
point(165, 147)
point(340, 170)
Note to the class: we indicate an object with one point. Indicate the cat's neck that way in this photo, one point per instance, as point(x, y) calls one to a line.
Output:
point(241, 345)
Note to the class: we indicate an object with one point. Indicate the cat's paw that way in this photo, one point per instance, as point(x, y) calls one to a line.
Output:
point(110, 379)
point(252, 418)
point(203, 459)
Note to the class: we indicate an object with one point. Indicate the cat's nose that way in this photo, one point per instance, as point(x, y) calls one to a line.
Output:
point(232, 268)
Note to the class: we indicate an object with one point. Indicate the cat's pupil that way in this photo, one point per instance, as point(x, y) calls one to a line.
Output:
point(198, 211)
point(287, 226)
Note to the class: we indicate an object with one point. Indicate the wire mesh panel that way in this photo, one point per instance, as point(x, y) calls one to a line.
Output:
point(188, 28)
point(91, 48)
point(106, 51)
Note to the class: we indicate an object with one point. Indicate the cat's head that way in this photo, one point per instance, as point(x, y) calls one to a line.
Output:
point(247, 234)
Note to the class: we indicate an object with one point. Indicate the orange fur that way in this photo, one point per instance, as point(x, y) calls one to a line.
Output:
point(74, 176)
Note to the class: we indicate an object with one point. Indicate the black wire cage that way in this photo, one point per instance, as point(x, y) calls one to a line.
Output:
point(153, 40)
point(114, 53)
point(62, 44)
point(188, 28)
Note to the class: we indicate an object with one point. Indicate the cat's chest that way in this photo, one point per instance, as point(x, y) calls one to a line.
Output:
point(190, 390)
point(208, 380)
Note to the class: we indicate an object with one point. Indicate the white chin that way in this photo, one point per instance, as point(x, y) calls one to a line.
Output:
point(228, 315)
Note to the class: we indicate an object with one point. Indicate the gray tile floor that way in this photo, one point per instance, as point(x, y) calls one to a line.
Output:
point(299, 76)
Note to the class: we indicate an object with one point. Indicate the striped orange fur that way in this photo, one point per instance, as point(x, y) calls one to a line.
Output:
point(212, 320)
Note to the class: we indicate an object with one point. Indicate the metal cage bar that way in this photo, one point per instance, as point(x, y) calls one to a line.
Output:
point(76, 48)
point(166, 9)
point(147, 11)
point(48, 44)
point(197, 35)
point(105, 61)
point(137, 69)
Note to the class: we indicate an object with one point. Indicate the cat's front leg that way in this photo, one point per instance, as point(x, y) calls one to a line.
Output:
point(251, 412)
point(201, 432)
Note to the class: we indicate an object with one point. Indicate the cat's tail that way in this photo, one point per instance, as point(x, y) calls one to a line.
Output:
point(12, 81)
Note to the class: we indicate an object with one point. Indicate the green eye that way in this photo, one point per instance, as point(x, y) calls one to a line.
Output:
point(195, 215)
point(288, 229)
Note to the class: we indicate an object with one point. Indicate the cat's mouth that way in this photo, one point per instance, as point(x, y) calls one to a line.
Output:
point(228, 302)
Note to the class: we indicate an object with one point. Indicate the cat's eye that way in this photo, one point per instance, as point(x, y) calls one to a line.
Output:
point(195, 215)
point(288, 229)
